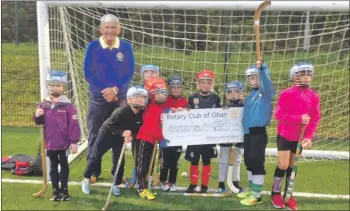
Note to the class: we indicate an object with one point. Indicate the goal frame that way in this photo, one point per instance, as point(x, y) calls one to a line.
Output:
point(44, 36)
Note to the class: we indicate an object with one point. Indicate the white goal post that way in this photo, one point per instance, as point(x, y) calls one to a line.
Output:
point(57, 31)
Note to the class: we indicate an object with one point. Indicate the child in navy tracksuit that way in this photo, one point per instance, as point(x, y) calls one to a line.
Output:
point(61, 131)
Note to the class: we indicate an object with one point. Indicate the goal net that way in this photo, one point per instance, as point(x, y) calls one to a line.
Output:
point(184, 38)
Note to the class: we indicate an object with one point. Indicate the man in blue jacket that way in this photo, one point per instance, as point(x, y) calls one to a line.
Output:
point(108, 68)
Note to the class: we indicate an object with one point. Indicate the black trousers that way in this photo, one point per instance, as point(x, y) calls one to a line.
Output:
point(144, 155)
point(254, 150)
point(105, 141)
point(169, 163)
point(98, 111)
point(58, 157)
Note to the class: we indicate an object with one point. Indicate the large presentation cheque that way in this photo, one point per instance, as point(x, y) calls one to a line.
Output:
point(203, 126)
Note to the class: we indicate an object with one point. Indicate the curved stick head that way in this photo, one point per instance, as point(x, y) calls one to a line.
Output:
point(261, 7)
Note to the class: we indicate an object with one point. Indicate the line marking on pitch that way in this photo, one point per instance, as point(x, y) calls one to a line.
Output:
point(210, 190)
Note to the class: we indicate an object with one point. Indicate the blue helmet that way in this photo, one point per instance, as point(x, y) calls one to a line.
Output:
point(149, 67)
point(301, 66)
point(137, 90)
point(234, 85)
point(57, 77)
point(175, 80)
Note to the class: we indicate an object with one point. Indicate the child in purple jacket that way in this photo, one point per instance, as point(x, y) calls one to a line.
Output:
point(61, 131)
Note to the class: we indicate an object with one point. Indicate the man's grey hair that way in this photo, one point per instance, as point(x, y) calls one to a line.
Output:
point(109, 18)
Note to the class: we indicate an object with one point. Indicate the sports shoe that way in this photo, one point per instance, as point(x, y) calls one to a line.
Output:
point(116, 190)
point(146, 194)
point(204, 189)
point(55, 195)
point(292, 204)
point(164, 185)
point(236, 184)
point(221, 187)
point(191, 188)
point(64, 194)
point(251, 200)
point(277, 201)
point(244, 194)
point(222, 190)
point(85, 186)
point(172, 187)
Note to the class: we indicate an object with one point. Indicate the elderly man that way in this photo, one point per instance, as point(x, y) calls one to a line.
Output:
point(108, 68)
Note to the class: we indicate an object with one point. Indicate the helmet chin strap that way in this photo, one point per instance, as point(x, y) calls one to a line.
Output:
point(137, 107)
point(175, 97)
point(303, 85)
point(204, 92)
point(55, 94)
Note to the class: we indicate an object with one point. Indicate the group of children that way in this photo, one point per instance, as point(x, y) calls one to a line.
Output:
point(139, 121)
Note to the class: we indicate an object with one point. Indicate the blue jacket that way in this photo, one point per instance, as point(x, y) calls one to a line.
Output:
point(104, 67)
point(258, 108)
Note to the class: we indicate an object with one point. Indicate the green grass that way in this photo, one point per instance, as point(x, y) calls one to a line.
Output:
point(19, 198)
point(327, 177)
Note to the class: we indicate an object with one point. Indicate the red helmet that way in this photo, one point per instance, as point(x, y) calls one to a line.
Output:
point(205, 74)
point(154, 84)
point(157, 85)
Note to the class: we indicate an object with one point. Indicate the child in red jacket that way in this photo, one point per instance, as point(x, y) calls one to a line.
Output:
point(150, 132)
point(170, 155)
point(297, 105)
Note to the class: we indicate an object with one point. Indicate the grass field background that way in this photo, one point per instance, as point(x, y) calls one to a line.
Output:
point(21, 93)
point(326, 177)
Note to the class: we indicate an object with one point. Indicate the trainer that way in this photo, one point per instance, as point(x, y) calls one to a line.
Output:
point(108, 69)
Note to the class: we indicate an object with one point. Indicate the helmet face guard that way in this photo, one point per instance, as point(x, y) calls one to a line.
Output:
point(56, 81)
point(205, 85)
point(252, 74)
point(175, 85)
point(303, 78)
point(253, 80)
point(138, 100)
point(137, 97)
point(301, 74)
point(234, 94)
point(55, 89)
point(159, 95)
point(149, 71)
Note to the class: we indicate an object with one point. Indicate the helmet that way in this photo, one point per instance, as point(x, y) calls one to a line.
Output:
point(250, 72)
point(301, 66)
point(205, 74)
point(297, 69)
point(234, 85)
point(157, 85)
point(56, 77)
point(175, 80)
point(136, 91)
point(146, 67)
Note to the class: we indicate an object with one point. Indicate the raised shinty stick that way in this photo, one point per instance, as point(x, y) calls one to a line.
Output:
point(257, 15)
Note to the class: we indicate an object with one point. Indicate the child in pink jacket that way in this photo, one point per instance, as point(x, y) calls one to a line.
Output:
point(297, 105)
